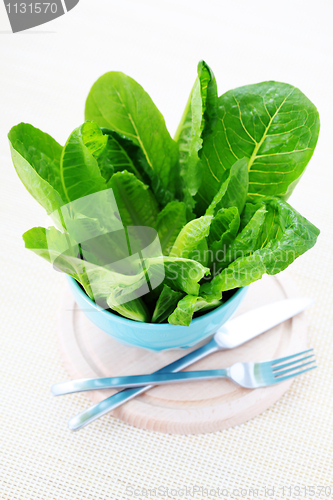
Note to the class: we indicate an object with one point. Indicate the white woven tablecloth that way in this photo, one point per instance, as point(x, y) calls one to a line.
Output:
point(45, 76)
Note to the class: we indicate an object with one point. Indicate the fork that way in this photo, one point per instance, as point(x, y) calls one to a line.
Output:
point(249, 375)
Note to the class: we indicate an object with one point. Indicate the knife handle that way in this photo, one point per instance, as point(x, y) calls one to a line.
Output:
point(111, 403)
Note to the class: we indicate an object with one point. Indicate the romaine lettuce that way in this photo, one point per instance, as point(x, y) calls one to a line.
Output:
point(215, 195)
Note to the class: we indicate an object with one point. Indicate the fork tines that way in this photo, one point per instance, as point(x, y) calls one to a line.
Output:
point(295, 365)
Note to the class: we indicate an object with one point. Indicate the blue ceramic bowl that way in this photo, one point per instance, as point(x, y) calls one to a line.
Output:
point(156, 337)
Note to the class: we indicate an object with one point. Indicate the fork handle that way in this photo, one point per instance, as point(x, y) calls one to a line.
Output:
point(111, 403)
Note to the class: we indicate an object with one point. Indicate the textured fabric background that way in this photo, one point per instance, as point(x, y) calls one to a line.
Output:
point(45, 76)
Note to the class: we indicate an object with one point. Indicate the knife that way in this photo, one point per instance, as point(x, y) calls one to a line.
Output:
point(234, 333)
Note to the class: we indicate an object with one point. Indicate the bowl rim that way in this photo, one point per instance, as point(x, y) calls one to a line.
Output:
point(120, 319)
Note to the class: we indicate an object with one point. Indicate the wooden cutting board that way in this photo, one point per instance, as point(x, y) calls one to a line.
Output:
point(189, 408)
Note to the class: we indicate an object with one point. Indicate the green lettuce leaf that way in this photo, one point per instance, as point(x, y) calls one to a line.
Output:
point(246, 241)
point(122, 154)
point(170, 221)
point(233, 191)
point(107, 288)
point(119, 103)
point(230, 247)
point(238, 185)
point(201, 253)
point(134, 309)
point(274, 125)
point(36, 158)
point(189, 305)
point(79, 170)
point(102, 283)
point(180, 274)
point(166, 303)
point(93, 138)
point(137, 205)
point(278, 245)
point(209, 98)
point(190, 236)
point(223, 230)
point(98, 281)
point(200, 112)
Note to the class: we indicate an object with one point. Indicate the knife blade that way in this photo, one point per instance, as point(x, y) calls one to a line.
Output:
point(253, 323)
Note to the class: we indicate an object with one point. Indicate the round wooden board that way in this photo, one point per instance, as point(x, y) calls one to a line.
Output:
point(189, 408)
